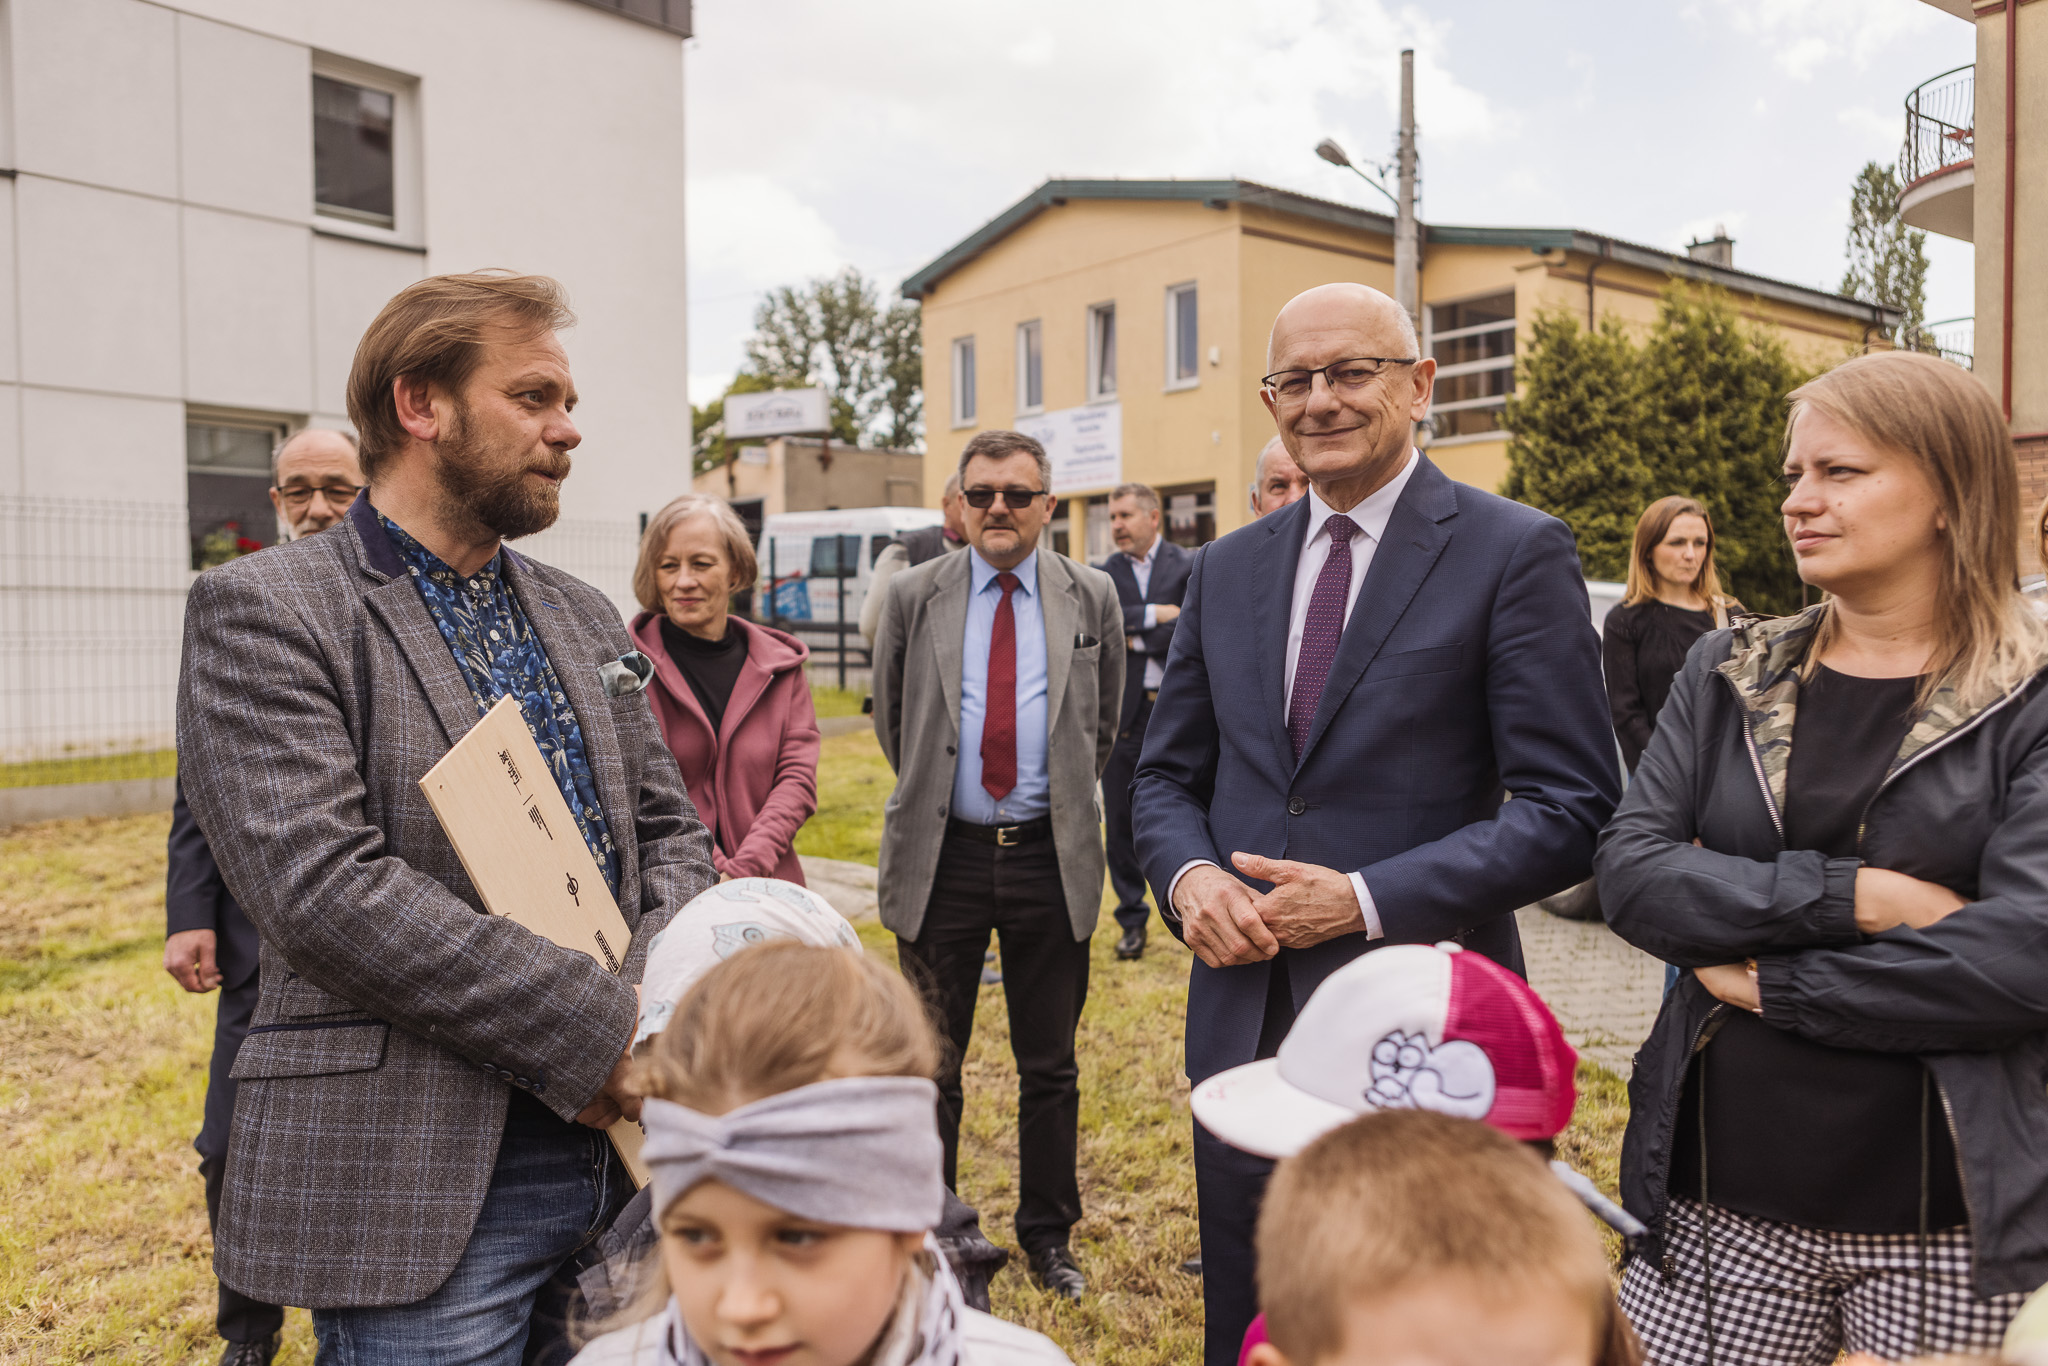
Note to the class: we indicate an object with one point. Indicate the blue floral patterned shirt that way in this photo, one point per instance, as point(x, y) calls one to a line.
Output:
point(499, 656)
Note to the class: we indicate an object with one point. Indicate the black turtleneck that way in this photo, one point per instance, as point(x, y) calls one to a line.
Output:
point(711, 666)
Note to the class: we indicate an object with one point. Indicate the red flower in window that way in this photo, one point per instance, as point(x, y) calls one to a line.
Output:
point(244, 545)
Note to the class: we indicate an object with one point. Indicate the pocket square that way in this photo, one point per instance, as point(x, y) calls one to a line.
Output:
point(626, 675)
point(1083, 642)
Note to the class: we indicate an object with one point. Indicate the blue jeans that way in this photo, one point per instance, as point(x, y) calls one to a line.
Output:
point(556, 1187)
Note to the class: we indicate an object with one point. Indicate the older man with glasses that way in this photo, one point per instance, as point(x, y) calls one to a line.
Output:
point(998, 681)
point(209, 943)
point(1395, 655)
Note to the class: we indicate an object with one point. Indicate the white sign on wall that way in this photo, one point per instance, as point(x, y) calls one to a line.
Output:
point(1086, 445)
point(779, 412)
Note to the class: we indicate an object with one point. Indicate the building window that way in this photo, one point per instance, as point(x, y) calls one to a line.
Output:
point(963, 382)
point(1030, 367)
point(1101, 352)
point(354, 172)
point(1183, 338)
point(1190, 513)
point(227, 487)
point(1474, 345)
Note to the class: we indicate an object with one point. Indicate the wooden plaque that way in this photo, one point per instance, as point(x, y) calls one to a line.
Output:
point(504, 813)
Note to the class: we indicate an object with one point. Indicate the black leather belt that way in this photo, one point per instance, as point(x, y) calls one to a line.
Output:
point(1002, 836)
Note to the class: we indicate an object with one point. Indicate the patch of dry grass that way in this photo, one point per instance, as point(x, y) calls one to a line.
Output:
point(104, 1252)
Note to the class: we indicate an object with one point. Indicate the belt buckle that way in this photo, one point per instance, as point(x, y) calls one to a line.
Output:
point(1006, 836)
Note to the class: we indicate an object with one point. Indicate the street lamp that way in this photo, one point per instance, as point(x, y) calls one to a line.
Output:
point(1329, 151)
point(1407, 239)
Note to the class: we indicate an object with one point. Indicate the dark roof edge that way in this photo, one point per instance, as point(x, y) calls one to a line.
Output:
point(1217, 193)
point(676, 14)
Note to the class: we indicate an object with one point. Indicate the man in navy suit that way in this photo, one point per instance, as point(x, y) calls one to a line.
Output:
point(1151, 575)
point(209, 943)
point(1357, 683)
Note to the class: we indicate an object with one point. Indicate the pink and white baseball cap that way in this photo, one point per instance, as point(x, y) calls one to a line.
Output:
point(1407, 1027)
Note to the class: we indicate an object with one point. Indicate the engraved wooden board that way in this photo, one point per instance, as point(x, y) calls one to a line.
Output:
point(505, 816)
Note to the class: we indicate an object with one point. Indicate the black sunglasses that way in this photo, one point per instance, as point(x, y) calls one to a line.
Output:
point(1016, 500)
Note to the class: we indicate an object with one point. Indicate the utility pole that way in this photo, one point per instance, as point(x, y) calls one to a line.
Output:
point(1407, 253)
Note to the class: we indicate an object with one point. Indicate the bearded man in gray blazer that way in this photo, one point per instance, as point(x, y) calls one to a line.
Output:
point(998, 680)
point(418, 1145)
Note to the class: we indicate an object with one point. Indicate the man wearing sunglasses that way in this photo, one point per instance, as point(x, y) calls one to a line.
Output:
point(998, 679)
point(1395, 654)
point(209, 943)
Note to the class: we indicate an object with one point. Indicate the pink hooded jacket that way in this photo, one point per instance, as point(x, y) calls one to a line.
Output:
point(756, 782)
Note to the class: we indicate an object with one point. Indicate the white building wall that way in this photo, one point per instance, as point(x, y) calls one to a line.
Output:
point(159, 253)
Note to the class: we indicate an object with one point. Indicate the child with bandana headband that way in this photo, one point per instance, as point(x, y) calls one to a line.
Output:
point(793, 1138)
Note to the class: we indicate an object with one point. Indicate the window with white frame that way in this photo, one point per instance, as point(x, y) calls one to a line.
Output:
point(354, 167)
point(1183, 338)
point(963, 382)
point(1030, 367)
point(1474, 345)
point(1101, 352)
point(227, 483)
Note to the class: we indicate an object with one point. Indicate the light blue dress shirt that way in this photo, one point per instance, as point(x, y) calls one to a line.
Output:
point(1032, 796)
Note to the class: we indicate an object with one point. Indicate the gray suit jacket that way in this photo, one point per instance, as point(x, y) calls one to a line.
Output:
point(917, 718)
point(393, 1014)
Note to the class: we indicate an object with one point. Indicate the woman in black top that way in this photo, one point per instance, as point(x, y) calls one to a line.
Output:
point(1837, 1132)
point(1673, 598)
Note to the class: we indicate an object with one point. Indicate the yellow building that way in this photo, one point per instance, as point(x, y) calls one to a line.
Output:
point(1975, 166)
point(1124, 322)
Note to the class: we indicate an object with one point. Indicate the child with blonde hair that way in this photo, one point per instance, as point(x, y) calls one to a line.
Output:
point(1413, 1237)
point(793, 1138)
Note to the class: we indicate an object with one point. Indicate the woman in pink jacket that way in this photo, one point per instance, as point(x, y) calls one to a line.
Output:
point(730, 695)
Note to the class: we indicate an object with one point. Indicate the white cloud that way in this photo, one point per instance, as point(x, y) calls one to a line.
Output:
point(1805, 36)
point(748, 231)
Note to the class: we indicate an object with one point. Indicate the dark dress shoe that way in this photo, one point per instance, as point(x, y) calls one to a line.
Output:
point(1132, 946)
point(250, 1353)
point(1191, 1267)
point(1054, 1270)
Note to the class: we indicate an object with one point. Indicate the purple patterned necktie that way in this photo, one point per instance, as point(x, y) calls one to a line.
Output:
point(1321, 631)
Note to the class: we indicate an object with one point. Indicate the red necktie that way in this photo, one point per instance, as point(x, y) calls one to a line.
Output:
point(999, 716)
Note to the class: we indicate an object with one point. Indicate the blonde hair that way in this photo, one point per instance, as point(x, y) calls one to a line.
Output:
point(739, 547)
point(436, 329)
point(769, 1019)
point(1987, 639)
point(1394, 1196)
point(1651, 529)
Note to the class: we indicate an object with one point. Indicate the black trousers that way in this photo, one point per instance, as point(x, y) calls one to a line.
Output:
point(1230, 1185)
point(1124, 873)
point(1015, 894)
point(238, 1318)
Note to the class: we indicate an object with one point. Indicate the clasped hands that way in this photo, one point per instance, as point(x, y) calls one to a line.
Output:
point(1885, 900)
point(1227, 924)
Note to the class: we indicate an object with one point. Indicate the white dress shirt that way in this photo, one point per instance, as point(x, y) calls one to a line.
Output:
point(1371, 517)
point(1141, 570)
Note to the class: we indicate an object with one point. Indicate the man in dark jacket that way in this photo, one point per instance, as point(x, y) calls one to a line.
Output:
point(1151, 575)
point(209, 943)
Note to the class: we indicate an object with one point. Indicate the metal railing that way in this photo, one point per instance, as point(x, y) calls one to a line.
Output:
point(1953, 339)
point(1941, 124)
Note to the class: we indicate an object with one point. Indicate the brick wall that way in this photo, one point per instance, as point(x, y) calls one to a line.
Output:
point(2032, 448)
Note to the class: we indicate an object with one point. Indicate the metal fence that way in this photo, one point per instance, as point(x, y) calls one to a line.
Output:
point(92, 607)
point(1941, 121)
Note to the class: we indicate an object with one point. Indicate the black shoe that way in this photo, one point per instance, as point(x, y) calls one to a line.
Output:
point(1053, 1269)
point(250, 1353)
point(1191, 1267)
point(1131, 947)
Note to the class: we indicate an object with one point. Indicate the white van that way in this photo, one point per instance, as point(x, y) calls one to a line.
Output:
point(809, 558)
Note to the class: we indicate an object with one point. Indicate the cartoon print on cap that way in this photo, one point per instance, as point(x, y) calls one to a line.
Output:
point(1453, 1079)
point(727, 940)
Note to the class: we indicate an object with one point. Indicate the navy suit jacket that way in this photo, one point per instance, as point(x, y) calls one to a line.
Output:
point(1469, 670)
point(196, 898)
point(1171, 565)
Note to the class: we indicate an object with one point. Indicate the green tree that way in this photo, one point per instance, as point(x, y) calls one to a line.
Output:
point(835, 333)
point(1713, 419)
point(1887, 260)
point(1574, 449)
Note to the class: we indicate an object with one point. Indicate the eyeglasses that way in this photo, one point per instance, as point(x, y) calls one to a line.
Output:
point(1343, 377)
point(1016, 500)
point(337, 495)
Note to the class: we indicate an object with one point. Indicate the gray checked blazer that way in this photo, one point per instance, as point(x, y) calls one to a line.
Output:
point(917, 658)
point(394, 1015)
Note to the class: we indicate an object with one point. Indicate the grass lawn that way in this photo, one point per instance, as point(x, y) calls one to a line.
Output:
point(91, 768)
point(104, 1251)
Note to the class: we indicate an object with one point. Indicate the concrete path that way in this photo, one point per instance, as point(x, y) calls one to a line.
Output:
point(1603, 991)
point(850, 887)
point(829, 726)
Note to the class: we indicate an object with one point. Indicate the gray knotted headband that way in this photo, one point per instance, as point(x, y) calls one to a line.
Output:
point(862, 1152)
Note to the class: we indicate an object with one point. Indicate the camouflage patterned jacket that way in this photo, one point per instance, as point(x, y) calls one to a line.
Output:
point(1964, 803)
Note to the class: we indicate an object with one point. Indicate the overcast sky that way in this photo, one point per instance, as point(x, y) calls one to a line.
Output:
point(823, 132)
